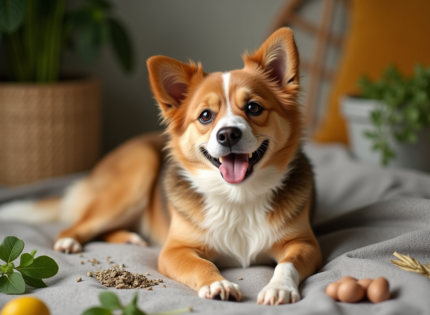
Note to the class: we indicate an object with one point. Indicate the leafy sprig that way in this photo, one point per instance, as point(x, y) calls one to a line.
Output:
point(403, 110)
point(31, 270)
point(112, 305)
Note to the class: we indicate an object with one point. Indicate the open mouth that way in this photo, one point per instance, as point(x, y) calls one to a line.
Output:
point(236, 167)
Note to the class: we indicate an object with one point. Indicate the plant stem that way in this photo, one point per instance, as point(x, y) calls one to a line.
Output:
point(42, 36)
point(16, 58)
point(182, 310)
point(30, 33)
point(54, 50)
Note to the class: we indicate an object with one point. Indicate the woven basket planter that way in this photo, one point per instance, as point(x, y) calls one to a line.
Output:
point(48, 130)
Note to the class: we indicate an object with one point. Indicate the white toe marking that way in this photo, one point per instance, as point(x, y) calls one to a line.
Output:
point(217, 288)
point(67, 245)
point(136, 239)
point(204, 292)
point(223, 288)
point(283, 288)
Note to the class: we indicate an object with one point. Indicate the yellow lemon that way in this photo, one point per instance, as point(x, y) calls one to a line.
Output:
point(27, 305)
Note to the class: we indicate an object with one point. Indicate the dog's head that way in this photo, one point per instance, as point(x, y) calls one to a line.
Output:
point(232, 125)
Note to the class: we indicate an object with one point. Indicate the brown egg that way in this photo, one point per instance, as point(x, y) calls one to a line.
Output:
point(378, 290)
point(332, 290)
point(346, 279)
point(365, 283)
point(350, 291)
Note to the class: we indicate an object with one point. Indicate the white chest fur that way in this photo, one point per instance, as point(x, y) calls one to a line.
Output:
point(238, 231)
point(235, 215)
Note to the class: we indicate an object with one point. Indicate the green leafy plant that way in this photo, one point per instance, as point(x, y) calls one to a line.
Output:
point(403, 110)
point(31, 269)
point(37, 31)
point(111, 305)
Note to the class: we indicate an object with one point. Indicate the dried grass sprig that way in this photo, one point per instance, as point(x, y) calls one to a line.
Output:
point(410, 264)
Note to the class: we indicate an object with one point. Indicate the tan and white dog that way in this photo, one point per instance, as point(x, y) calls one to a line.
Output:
point(232, 188)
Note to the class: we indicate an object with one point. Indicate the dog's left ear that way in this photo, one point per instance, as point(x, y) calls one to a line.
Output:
point(170, 81)
point(278, 57)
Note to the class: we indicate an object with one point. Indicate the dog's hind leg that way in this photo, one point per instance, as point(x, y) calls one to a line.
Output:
point(117, 192)
point(123, 237)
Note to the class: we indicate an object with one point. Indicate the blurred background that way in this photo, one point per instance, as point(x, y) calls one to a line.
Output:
point(213, 32)
point(216, 33)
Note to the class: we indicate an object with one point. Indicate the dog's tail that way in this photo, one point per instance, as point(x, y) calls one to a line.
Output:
point(34, 211)
point(65, 209)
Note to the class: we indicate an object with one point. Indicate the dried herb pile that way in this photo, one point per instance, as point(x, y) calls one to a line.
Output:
point(123, 279)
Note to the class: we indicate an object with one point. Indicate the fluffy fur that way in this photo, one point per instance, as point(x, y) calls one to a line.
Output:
point(231, 187)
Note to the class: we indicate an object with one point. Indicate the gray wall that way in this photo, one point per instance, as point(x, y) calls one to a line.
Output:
point(213, 32)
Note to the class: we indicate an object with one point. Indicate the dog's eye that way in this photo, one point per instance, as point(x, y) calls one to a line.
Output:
point(253, 109)
point(206, 116)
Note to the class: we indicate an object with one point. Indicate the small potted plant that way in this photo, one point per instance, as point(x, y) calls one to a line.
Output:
point(389, 123)
point(49, 120)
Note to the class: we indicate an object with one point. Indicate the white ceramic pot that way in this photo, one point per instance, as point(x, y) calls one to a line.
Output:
point(357, 113)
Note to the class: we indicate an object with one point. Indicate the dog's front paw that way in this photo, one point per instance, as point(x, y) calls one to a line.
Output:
point(275, 294)
point(221, 290)
point(67, 245)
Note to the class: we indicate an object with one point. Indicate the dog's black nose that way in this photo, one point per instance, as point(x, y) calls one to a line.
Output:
point(229, 136)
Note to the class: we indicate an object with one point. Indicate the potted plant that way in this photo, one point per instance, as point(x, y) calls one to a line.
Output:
point(389, 123)
point(50, 121)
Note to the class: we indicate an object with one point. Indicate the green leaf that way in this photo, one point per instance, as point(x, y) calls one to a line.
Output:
point(103, 4)
point(35, 283)
point(101, 33)
point(87, 44)
point(376, 146)
point(131, 309)
point(121, 45)
point(80, 18)
point(110, 301)
point(11, 248)
point(411, 137)
point(376, 117)
point(370, 134)
point(33, 252)
point(42, 267)
point(92, 32)
point(84, 42)
point(97, 311)
point(11, 14)
point(26, 260)
point(413, 114)
point(12, 284)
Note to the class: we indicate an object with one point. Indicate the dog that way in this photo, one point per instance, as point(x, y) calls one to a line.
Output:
point(226, 185)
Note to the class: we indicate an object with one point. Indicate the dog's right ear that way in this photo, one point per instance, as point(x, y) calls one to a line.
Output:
point(170, 81)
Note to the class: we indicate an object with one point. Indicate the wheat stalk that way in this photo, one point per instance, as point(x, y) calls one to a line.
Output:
point(410, 264)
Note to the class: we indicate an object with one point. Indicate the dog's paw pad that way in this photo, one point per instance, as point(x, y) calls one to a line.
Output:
point(67, 245)
point(136, 239)
point(275, 295)
point(221, 290)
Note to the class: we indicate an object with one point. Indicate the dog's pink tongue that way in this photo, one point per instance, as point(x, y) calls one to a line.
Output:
point(233, 167)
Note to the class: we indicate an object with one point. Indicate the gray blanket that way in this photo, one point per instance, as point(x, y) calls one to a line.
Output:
point(364, 214)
